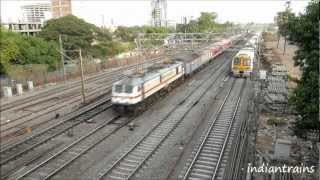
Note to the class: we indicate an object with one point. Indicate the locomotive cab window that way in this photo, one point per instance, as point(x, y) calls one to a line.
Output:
point(236, 60)
point(118, 88)
point(246, 62)
point(128, 89)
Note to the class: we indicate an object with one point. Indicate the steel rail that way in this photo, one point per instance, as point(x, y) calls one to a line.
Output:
point(202, 145)
point(154, 128)
point(56, 155)
point(72, 85)
point(104, 103)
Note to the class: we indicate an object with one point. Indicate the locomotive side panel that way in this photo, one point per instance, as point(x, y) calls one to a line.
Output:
point(151, 86)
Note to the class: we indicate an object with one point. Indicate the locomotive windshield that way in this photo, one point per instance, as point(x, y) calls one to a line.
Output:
point(128, 89)
point(236, 60)
point(246, 62)
point(118, 88)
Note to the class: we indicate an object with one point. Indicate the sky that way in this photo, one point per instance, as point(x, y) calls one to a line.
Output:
point(138, 12)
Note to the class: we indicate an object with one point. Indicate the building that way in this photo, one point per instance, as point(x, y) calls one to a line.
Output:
point(27, 28)
point(36, 13)
point(159, 13)
point(61, 8)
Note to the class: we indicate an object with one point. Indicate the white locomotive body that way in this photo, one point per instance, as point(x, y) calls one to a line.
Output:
point(138, 87)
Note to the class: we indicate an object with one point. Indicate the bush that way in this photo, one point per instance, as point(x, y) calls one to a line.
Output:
point(17, 49)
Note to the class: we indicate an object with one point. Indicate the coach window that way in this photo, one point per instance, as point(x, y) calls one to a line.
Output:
point(128, 89)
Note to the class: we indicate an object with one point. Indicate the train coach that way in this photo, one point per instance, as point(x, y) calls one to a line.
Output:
point(135, 92)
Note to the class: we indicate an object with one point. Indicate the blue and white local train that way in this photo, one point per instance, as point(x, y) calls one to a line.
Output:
point(137, 88)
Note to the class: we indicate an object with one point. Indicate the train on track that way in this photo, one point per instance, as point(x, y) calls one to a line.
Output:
point(243, 62)
point(134, 93)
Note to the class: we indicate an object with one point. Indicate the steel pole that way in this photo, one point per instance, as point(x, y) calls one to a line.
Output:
point(82, 79)
point(62, 59)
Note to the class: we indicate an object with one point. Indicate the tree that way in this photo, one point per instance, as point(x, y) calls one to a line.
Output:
point(9, 52)
point(282, 20)
point(17, 49)
point(304, 31)
point(76, 33)
point(206, 21)
point(126, 34)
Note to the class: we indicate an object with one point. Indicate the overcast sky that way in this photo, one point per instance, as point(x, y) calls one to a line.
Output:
point(137, 12)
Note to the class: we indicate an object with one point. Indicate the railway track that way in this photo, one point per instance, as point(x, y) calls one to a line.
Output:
point(209, 160)
point(14, 151)
point(60, 160)
point(15, 126)
point(20, 123)
point(73, 85)
point(126, 166)
point(21, 148)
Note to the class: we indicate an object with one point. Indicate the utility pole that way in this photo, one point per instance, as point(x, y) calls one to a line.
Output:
point(62, 59)
point(185, 29)
point(82, 79)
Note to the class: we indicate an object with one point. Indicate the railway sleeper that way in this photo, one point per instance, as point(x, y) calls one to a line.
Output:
point(138, 153)
point(210, 153)
point(131, 164)
point(200, 175)
point(202, 166)
point(116, 177)
point(144, 149)
point(202, 170)
point(207, 158)
point(128, 165)
point(135, 157)
point(122, 172)
point(125, 169)
point(206, 150)
point(206, 163)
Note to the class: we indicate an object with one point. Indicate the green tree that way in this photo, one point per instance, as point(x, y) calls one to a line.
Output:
point(76, 33)
point(206, 21)
point(304, 31)
point(17, 49)
point(9, 51)
point(126, 33)
point(282, 20)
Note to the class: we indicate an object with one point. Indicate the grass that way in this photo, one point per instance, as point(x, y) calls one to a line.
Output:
point(276, 121)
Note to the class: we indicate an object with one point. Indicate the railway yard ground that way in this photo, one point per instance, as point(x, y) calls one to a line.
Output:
point(44, 106)
point(210, 126)
point(275, 142)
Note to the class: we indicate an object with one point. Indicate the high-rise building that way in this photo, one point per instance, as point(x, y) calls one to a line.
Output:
point(27, 28)
point(61, 8)
point(159, 13)
point(36, 12)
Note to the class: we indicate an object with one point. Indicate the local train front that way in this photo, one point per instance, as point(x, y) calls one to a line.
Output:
point(242, 64)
